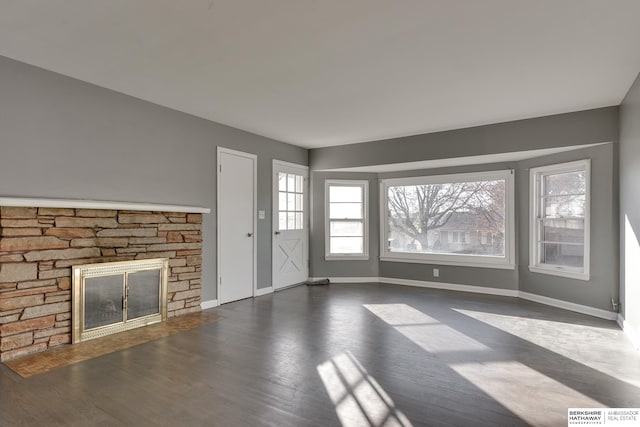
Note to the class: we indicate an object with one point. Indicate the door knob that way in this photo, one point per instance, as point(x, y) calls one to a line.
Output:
point(249, 234)
point(276, 233)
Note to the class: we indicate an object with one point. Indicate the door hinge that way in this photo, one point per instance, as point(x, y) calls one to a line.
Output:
point(220, 168)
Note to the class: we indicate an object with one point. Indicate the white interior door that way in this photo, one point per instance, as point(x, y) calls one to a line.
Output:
point(290, 224)
point(236, 225)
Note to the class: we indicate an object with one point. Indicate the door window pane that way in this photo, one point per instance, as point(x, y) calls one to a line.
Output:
point(290, 201)
point(291, 220)
point(291, 182)
point(282, 220)
point(282, 181)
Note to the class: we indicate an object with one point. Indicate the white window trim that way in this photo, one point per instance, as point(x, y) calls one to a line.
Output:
point(507, 262)
point(365, 220)
point(534, 207)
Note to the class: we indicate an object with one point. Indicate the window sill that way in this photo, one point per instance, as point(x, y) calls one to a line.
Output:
point(346, 257)
point(559, 272)
point(496, 265)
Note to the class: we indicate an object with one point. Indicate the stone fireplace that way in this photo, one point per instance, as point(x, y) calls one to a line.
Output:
point(39, 245)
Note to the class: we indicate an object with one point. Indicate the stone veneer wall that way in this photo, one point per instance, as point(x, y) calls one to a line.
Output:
point(38, 246)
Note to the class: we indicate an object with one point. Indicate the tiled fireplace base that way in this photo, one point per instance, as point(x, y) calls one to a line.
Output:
point(39, 245)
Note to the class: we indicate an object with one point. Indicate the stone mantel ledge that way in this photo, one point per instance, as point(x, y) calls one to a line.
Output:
point(97, 204)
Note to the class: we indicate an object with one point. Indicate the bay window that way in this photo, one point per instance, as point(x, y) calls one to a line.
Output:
point(462, 219)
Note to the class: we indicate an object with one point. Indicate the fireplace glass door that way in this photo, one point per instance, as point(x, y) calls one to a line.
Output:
point(114, 297)
point(142, 293)
point(103, 301)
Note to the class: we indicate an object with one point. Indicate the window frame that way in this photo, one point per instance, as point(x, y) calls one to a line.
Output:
point(486, 261)
point(535, 187)
point(364, 185)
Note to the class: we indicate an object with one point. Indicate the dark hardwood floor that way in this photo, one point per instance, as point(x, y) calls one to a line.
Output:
point(348, 355)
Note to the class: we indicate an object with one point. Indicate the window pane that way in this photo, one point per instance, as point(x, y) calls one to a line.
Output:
point(282, 181)
point(564, 206)
point(282, 201)
point(563, 230)
point(565, 183)
point(346, 245)
point(345, 194)
point(447, 218)
point(299, 183)
point(298, 206)
point(282, 221)
point(342, 228)
point(291, 202)
point(299, 223)
point(291, 182)
point(345, 211)
point(291, 221)
point(563, 255)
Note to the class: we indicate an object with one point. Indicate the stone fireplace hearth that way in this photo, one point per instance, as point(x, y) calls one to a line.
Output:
point(39, 245)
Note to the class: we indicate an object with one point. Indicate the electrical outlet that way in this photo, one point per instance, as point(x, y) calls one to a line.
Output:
point(436, 272)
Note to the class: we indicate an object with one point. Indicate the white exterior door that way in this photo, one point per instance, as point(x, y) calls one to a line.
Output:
point(236, 225)
point(290, 224)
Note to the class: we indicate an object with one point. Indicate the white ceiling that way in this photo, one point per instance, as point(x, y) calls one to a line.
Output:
point(330, 72)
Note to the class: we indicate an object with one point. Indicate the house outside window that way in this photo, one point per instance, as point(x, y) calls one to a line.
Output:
point(446, 219)
point(346, 219)
point(560, 229)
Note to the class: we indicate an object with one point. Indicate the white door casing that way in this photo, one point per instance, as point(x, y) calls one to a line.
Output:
point(290, 249)
point(236, 227)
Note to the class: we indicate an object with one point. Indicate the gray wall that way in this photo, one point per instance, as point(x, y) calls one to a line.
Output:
point(62, 138)
point(579, 128)
point(582, 127)
point(603, 283)
point(340, 268)
point(630, 208)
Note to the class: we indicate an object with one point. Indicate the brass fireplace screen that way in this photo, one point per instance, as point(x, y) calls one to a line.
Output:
point(117, 296)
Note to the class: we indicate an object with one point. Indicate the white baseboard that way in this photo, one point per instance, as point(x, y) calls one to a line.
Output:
point(349, 279)
point(629, 331)
point(591, 311)
point(450, 286)
point(264, 291)
point(620, 321)
point(584, 309)
point(209, 304)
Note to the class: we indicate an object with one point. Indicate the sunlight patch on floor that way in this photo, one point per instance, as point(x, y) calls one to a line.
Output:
point(424, 330)
point(521, 389)
point(597, 348)
point(358, 398)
